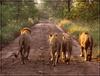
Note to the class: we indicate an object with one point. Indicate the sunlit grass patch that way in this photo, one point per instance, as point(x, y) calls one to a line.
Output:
point(64, 23)
point(75, 28)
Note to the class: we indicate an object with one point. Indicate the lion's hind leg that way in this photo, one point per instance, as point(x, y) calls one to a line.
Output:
point(22, 55)
point(26, 54)
point(82, 52)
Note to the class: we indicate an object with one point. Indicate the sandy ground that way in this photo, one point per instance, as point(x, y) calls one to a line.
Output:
point(40, 57)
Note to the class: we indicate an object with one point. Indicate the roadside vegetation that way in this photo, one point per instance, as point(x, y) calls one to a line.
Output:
point(14, 16)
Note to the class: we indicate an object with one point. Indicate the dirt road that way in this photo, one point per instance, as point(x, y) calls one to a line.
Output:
point(39, 56)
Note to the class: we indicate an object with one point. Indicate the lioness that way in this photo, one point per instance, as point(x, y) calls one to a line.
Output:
point(66, 47)
point(24, 43)
point(86, 41)
point(55, 46)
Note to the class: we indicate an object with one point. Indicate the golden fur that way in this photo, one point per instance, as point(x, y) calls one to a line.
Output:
point(60, 45)
point(66, 47)
point(55, 46)
point(24, 43)
point(86, 43)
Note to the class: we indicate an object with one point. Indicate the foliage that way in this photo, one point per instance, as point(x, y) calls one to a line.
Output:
point(14, 16)
point(80, 9)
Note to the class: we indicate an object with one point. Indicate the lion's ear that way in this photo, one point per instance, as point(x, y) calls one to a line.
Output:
point(63, 36)
point(21, 31)
point(86, 32)
point(50, 35)
point(55, 34)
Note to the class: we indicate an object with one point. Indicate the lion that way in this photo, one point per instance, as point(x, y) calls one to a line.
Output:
point(24, 44)
point(86, 42)
point(55, 47)
point(66, 47)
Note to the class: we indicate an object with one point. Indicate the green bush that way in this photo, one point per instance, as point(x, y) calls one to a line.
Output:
point(14, 16)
